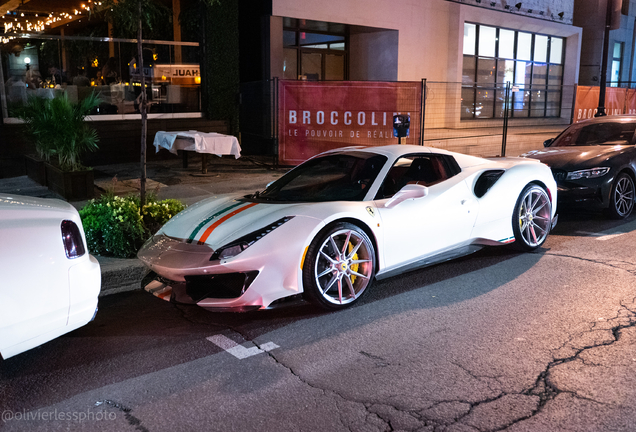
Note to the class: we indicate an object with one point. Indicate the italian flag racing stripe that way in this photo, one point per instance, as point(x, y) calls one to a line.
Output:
point(208, 219)
point(212, 227)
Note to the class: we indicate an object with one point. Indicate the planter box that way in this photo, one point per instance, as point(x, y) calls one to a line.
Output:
point(35, 169)
point(72, 185)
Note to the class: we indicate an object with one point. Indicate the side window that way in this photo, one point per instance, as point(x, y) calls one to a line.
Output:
point(619, 133)
point(452, 167)
point(426, 170)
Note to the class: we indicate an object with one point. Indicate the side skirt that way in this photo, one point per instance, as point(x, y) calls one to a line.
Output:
point(431, 260)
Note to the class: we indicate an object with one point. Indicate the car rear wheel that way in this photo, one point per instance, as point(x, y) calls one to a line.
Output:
point(532, 218)
point(622, 198)
point(339, 266)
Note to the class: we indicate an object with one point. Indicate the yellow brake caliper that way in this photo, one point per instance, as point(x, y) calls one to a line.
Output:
point(354, 267)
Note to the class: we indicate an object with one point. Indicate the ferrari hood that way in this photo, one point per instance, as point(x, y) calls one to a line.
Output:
point(576, 156)
point(218, 220)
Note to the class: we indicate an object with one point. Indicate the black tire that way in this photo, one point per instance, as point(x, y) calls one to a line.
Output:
point(622, 197)
point(532, 218)
point(336, 277)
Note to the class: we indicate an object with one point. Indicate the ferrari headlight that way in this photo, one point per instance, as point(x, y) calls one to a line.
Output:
point(588, 173)
point(237, 246)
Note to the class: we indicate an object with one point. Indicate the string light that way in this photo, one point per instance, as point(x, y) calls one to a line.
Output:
point(40, 25)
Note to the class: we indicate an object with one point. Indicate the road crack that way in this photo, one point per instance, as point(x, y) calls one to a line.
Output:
point(131, 419)
point(617, 264)
point(547, 390)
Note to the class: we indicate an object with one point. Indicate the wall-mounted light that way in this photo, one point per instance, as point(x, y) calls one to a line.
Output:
point(560, 14)
point(518, 6)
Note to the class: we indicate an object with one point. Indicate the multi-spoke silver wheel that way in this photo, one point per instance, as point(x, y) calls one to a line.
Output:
point(342, 262)
point(532, 218)
point(622, 199)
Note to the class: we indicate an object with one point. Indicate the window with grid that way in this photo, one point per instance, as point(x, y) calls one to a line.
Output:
point(494, 57)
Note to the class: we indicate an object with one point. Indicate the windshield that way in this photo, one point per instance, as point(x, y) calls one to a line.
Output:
point(338, 177)
point(606, 133)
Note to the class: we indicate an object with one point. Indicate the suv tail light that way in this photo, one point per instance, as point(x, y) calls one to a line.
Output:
point(72, 239)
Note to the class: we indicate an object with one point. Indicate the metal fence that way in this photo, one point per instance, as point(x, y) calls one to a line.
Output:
point(478, 120)
point(493, 120)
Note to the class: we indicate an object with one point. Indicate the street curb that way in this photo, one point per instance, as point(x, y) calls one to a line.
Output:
point(120, 274)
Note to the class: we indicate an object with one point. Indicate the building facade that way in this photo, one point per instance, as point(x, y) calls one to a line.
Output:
point(468, 51)
point(395, 40)
point(590, 15)
point(73, 48)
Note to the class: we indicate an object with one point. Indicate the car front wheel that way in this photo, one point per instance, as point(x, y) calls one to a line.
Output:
point(622, 198)
point(339, 266)
point(532, 218)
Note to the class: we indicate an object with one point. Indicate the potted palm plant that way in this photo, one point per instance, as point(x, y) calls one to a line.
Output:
point(30, 113)
point(58, 129)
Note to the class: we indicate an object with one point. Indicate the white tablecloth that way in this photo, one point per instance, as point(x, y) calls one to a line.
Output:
point(200, 142)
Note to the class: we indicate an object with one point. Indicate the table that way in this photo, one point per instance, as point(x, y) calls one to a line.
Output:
point(200, 142)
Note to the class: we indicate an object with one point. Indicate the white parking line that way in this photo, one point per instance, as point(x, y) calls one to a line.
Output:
point(239, 351)
point(600, 236)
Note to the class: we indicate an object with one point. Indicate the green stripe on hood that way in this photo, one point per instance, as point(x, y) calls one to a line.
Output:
point(208, 219)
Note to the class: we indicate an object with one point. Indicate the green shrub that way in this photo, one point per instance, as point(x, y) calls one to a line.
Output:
point(115, 226)
point(156, 213)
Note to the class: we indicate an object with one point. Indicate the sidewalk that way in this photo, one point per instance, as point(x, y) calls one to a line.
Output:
point(169, 179)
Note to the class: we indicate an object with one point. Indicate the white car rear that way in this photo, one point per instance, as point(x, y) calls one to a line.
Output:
point(50, 283)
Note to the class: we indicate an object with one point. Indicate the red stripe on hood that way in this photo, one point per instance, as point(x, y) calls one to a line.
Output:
point(212, 227)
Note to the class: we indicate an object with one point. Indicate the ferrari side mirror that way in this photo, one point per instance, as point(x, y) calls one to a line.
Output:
point(548, 142)
point(411, 191)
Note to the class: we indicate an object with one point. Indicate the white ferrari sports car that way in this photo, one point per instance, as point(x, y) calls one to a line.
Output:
point(333, 224)
point(50, 283)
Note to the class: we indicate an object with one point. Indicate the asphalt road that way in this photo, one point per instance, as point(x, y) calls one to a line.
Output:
point(495, 341)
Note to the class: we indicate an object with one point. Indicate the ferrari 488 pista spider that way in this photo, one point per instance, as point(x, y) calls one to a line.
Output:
point(333, 224)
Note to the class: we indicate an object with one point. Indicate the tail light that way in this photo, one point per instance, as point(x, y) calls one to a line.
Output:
point(72, 239)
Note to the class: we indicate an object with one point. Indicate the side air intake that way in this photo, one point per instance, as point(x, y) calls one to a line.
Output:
point(486, 180)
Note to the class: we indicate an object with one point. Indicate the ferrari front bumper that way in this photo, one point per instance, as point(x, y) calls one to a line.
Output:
point(186, 273)
point(202, 290)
